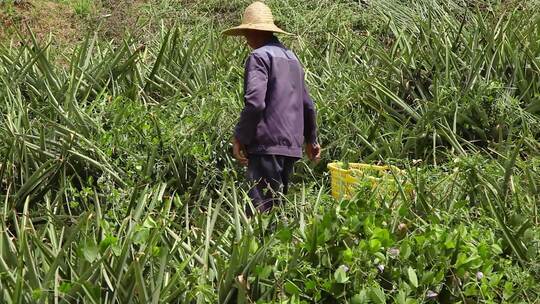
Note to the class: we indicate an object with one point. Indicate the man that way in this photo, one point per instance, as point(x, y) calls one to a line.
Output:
point(279, 115)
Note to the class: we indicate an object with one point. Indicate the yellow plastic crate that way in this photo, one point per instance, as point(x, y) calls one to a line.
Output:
point(346, 181)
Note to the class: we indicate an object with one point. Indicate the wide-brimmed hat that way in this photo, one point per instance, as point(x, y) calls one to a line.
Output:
point(257, 16)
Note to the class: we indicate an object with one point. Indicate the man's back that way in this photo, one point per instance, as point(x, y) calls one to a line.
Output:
point(279, 114)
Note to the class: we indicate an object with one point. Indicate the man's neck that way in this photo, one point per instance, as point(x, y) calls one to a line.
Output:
point(266, 41)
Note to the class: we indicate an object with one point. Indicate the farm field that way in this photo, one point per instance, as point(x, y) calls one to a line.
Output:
point(117, 183)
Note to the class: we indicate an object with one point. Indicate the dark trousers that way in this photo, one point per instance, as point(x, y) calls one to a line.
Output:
point(269, 175)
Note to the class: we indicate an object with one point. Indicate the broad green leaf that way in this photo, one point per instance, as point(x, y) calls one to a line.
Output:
point(65, 287)
point(428, 277)
point(264, 272)
point(405, 250)
point(376, 294)
point(412, 277)
point(340, 275)
point(141, 236)
point(360, 298)
point(107, 241)
point(291, 288)
point(149, 223)
point(310, 285)
point(90, 251)
point(375, 245)
point(284, 235)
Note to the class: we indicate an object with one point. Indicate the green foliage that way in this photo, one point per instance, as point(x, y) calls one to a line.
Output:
point(83, 7)
point(117, 185)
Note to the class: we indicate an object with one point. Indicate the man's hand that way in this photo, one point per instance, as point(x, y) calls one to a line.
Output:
point(239, 152)
point(313, 152)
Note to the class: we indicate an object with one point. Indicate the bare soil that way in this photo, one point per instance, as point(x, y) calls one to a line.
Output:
point(45, 19)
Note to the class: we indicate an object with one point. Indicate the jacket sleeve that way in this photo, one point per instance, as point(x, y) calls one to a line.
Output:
point(255, 85)
point(310, 118)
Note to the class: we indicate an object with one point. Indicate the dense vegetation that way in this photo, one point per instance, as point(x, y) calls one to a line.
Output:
point(117, 184)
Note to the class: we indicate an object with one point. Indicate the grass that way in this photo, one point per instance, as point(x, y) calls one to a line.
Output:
point(118, 187)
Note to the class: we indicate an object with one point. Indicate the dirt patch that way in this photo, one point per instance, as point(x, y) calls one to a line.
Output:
point(223, 12)
point(44, 18)
point(119, 17)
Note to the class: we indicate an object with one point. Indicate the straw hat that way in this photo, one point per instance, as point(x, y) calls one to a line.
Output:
point(257, 16)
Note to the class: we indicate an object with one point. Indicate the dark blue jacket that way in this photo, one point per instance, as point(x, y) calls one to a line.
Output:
point(279, 115)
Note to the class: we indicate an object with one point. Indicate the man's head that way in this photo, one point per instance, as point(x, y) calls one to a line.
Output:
point(256, 39)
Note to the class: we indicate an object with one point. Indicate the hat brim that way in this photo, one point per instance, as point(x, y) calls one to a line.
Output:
point(241, 29)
